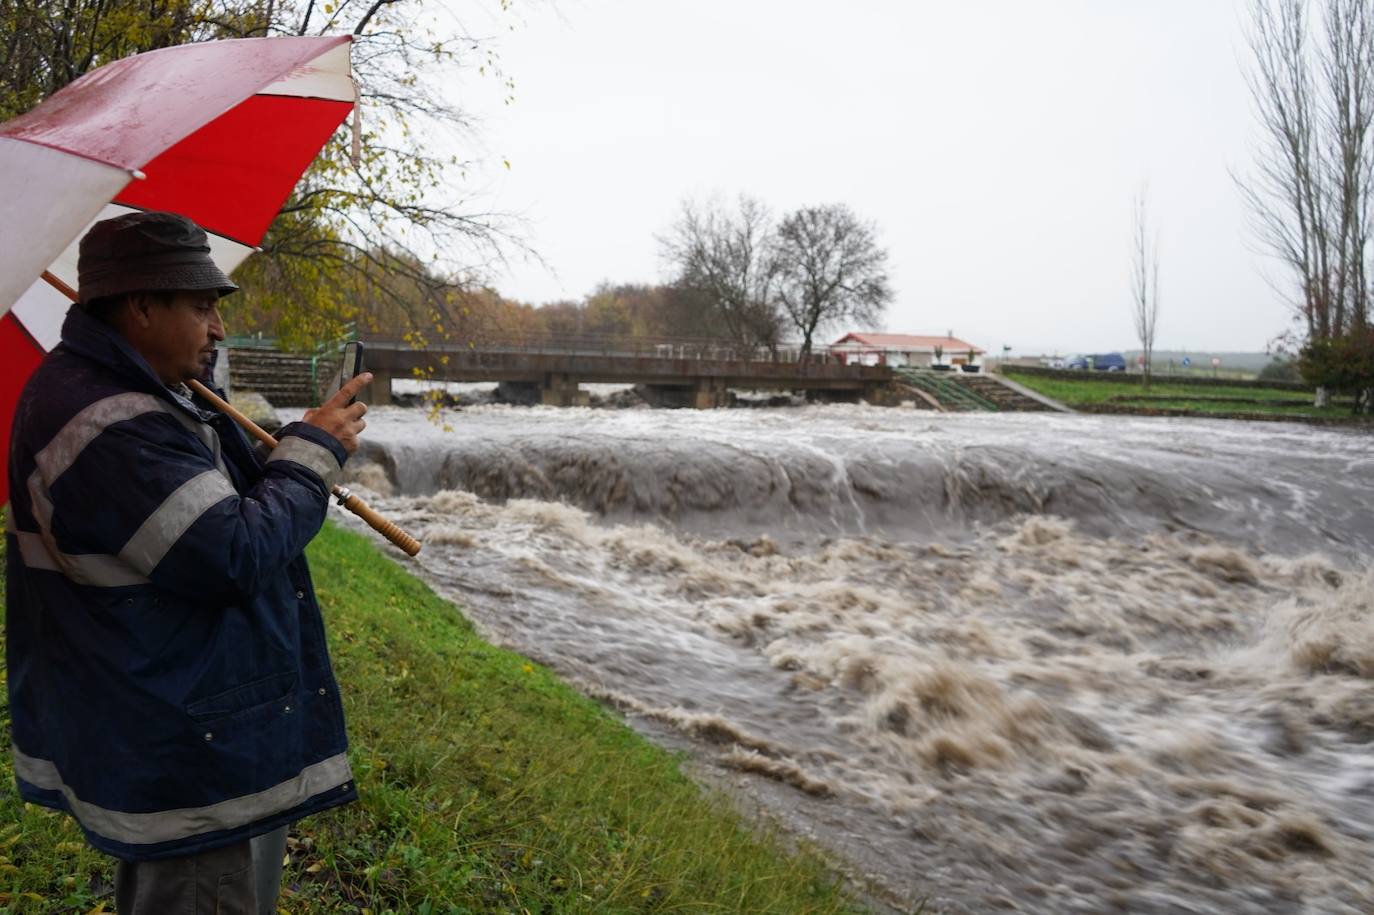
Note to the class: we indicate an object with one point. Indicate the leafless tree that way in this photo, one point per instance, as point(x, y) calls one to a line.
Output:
point(725, 256)
point(829, 269)
point(1144, 279)
point(1311, 189)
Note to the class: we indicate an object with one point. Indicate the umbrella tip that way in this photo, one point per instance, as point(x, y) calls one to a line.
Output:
point(137, 175)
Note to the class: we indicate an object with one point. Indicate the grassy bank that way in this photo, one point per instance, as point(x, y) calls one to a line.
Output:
point(1221, 400)
point(487, 786)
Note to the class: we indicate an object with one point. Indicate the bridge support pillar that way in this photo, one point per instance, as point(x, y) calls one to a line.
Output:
point(561, 390)
point(378, 393)
point(709, 394)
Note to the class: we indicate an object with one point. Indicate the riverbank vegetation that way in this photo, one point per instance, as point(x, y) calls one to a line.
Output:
point(1344, 365)
point(1095, 393)
point(486, 784)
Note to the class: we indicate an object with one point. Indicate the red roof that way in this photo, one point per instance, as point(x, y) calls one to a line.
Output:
point(908, 343)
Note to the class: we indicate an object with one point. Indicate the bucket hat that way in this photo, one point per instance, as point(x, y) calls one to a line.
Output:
point(146, 252)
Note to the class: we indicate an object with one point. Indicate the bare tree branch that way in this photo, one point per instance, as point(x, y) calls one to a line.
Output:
point(367, 17)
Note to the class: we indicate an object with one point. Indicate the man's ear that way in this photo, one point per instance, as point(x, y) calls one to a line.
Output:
point(137, 307)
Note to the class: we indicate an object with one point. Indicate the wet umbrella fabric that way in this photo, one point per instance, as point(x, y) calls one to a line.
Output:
point(217, 131)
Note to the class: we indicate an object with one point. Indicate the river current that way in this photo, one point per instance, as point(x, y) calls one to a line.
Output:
point(1035, 663)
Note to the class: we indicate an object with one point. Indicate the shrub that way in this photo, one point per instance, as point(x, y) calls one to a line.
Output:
point(1342, 364)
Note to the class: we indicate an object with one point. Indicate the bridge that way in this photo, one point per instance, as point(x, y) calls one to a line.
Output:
point(678, 372)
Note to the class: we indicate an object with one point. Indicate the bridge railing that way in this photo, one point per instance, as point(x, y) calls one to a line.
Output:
point(624, 346)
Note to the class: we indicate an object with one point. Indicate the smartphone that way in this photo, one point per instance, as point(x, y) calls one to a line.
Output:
point(351, 367)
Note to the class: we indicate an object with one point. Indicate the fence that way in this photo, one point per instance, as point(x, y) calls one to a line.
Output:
point(623, 346)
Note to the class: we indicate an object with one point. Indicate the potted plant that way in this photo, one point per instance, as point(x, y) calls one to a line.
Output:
point(939, 364)
point(969, 366)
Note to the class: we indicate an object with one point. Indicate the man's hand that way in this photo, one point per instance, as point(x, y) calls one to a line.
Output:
point(340, 419)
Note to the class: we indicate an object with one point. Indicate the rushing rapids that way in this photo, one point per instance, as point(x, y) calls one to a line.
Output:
point(1021, 663)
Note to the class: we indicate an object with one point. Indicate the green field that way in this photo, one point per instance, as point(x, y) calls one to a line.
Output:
point(487, 786)
point(1205, 399)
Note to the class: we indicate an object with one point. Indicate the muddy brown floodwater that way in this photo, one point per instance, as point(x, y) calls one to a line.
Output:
point(997, 663)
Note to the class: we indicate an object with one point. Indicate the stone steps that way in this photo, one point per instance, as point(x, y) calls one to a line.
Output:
point(993, 389)
point(283, 378)
point(988, 389)
point(945, 388)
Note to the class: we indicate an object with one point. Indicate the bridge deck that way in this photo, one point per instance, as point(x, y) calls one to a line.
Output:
point(511, 363)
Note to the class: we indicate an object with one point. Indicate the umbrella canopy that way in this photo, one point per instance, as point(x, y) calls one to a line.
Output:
point(219, 131)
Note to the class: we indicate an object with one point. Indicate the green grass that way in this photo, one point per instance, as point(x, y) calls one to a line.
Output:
point(1195, 398)
point(487, 785)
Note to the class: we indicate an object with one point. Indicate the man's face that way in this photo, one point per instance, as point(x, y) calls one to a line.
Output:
point(178, 337)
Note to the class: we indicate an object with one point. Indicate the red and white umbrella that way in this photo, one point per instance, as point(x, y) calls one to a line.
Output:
point(219, 131)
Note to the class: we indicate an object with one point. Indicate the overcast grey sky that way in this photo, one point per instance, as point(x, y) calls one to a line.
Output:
point(996, 144)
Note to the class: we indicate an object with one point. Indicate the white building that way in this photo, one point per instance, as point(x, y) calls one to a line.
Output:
point(907, 349)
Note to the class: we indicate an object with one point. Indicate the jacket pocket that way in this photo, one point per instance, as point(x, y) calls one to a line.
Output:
point(265, 691)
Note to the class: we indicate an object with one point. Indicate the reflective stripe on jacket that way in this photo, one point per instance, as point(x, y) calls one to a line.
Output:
point(169, 682)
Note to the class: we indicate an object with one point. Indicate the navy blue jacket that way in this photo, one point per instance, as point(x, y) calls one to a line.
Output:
point(169, 682)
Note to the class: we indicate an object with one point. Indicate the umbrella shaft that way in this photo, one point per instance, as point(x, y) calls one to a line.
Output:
point(224, 406)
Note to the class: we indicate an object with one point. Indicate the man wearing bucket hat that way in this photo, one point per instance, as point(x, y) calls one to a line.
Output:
point(169, 682)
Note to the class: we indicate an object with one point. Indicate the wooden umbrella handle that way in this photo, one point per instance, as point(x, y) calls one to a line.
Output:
point(376, 521)
point(348, 500)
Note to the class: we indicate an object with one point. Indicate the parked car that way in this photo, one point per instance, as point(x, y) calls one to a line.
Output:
point(1109, 362)
point(1102, 362)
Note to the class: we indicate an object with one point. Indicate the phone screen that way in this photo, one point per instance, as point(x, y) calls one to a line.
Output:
point(351, 367)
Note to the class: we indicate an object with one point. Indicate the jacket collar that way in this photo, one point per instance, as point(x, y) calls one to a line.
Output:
point(97, 341)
